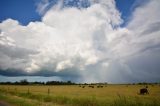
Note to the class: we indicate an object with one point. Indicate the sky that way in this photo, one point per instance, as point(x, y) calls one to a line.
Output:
point(114, 41)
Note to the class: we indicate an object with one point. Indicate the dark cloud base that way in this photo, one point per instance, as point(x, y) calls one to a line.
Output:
point(45, 73)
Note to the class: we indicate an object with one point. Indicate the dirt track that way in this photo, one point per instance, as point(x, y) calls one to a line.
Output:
point(2, 103)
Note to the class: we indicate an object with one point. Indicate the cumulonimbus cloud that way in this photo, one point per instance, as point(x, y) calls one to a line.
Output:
point(84, 42)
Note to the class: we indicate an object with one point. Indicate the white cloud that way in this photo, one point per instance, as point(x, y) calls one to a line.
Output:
point(87, 41)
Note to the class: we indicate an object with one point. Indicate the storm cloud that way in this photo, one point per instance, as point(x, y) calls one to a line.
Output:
point(84, 43)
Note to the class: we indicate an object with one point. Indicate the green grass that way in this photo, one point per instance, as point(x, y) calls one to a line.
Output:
point(124, 101)
point(112, 95)
point(16, 100)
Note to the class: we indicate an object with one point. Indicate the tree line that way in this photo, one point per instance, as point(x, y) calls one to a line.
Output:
point(25, 82)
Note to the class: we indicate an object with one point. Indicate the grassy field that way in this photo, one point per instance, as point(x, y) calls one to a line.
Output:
point(73, 95)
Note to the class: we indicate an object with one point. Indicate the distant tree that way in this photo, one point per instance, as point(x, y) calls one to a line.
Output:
point(69, 82)
point(24, 82)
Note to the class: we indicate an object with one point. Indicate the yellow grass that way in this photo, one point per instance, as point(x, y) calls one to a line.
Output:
point(109, 93)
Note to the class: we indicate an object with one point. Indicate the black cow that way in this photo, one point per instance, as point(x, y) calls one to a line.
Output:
point(99, 86)
point(144, 91)
point(91, 86)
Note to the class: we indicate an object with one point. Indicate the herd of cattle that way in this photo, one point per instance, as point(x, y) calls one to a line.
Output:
point(92, 86)
point(142, 91)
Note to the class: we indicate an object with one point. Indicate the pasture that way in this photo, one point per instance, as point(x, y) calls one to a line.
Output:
point(74, 95)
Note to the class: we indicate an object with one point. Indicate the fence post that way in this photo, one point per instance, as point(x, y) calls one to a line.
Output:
point(48, 91)
point(28, 91)
point(15, 90)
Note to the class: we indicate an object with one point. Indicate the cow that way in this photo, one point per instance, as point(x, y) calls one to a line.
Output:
point(144, 91)
point(99, 86)
point(91, 86)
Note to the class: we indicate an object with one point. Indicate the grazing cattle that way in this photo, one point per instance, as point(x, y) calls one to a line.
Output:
point(99, 86)
point(83, 86)
point(144, 91)
point(91, 86)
